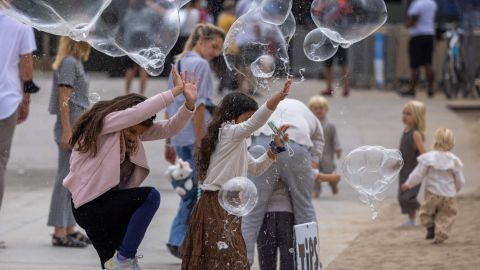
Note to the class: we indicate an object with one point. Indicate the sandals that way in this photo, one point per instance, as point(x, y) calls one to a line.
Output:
point(80, 237)
point(67, 241)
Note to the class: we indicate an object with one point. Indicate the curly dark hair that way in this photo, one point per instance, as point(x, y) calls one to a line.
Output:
point(231, 107)
point(87, 128)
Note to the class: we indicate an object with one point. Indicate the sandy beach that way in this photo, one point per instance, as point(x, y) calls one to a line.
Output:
point(386, 246)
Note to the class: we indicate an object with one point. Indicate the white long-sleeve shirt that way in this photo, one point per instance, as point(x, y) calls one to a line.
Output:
point(305, 129)
point(442, 171)
point(231, 157)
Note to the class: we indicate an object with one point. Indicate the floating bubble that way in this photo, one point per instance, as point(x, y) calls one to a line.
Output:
point(263, 67)
point(93, 98)
point(370, 170)
point(59, 17)
point(250, 38)
point(238, 196)
point(275, 11)
point(289, 27)
point(144, 30)
point(318, 47)
point(349, 21)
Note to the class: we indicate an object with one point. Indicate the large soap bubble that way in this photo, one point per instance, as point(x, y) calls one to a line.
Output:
point(59, 17)
point(249, 41)
point(275, 11)
point(145, 30)
point(263, 67)
point(370, 170)
point(349, 21)
point(238, 196)
point(318, 47)
point(289, 27)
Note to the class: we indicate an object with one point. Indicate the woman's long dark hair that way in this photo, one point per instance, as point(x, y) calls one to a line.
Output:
point(90, 124)
point(232, 106)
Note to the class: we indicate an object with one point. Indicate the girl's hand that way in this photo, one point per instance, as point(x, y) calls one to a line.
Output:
point(189, 90)
point(404, 187)
point(279, 141)
point(177, 80)
point(272, 103)
point(286, 87)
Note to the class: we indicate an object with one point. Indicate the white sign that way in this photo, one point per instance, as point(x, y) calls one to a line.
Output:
point(307, 247)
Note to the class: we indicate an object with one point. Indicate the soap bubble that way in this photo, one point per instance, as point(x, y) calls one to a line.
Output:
point(370, 170)
point(94, 98)
point(318, 47)
point(249, 39)
point(59, 17)
point(238, 196)
point(144, 30)
point(263, 67)
point(349, 21)
point(275, 11)
point(289, 27)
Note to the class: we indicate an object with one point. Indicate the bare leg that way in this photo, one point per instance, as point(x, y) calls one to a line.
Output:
point(430, 78)
point(328, 78)
point(345, 80)
point(60, 232)
point(129, 75)
point(414, 79)
point(143, 80)
point(71, 230)
point(412, 215)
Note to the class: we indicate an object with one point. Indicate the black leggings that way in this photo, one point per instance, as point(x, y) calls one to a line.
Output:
point(106, 219)
point(276, 233)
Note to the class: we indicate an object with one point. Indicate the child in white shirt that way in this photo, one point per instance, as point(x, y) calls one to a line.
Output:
point(443, 174)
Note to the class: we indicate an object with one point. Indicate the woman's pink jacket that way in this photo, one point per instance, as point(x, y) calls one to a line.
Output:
point(90, 177)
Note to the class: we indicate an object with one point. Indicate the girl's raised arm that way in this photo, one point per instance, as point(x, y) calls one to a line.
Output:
point(119, 120)
point(260, 117)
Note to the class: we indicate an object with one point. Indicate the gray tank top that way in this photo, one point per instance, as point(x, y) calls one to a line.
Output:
point(409, 153)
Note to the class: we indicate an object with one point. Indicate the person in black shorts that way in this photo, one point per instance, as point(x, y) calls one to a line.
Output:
point(342, 60)
point(420, 22)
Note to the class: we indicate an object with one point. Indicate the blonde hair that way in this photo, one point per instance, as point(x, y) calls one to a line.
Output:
point(419, 113)
point(201, 31)
point(318, 101)
point(443, 140)
point(69, 47)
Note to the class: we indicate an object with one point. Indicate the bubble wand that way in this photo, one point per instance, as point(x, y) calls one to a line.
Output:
point(282, 135)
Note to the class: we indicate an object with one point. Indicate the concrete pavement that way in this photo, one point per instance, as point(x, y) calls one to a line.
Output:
point(367, 117)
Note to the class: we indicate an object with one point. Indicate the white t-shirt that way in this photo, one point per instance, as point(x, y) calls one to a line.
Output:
point(16, 39)
point(305, 129)
point(425, 11)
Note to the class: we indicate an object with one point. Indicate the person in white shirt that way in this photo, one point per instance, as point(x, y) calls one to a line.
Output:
point(442, 172)
point(306, 140)
point(16, 72)
point(223, 156)
point(421, 24)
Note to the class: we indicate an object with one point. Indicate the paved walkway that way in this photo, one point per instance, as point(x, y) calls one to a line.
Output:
point(367, 117)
